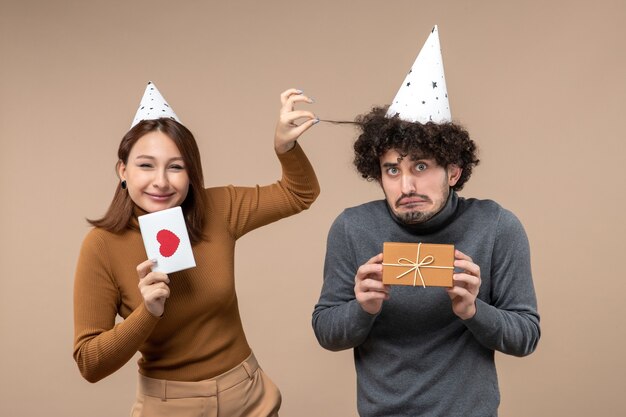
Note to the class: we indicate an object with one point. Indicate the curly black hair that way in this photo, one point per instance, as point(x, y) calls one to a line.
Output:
point(447, 143)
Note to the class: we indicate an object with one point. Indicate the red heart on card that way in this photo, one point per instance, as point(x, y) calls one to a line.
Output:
point(169, 242)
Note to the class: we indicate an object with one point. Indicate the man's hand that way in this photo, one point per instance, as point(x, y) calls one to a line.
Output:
point(466, 285)
point(369, 289)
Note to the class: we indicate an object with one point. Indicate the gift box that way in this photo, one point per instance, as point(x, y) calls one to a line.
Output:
point(424, 264)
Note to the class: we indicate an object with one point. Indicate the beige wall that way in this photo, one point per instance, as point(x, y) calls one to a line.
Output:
point(539, 84)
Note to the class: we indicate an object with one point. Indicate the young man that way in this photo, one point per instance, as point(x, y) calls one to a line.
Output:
point(425, 351)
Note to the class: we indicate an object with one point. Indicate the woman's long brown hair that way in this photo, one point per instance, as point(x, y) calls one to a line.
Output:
point(120, 212)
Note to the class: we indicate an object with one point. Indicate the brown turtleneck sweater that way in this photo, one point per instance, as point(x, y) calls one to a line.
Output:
point(200, 335)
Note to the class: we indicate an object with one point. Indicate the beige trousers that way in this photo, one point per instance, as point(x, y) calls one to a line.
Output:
point(244, 391)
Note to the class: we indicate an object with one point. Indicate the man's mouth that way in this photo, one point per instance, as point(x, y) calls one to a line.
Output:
point(412, 200)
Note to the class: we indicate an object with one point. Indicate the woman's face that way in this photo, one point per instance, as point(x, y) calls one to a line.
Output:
point(155, 174)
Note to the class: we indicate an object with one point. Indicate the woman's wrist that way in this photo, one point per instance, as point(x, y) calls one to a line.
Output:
point(285, 147)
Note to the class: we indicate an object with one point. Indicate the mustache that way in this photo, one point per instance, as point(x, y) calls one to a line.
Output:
point(422, 196)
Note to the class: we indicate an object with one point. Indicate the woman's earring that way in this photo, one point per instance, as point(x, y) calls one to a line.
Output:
point(123, 184)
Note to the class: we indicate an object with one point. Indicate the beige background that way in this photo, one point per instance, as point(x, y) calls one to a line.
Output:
point(539, 84)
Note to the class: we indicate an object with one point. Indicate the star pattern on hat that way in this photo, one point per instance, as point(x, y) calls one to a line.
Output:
point(153, 106)
point(418, 99)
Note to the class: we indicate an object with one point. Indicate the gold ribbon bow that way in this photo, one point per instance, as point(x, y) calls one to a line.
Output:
point(415, 266)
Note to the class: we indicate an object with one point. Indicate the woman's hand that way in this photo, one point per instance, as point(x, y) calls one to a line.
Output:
point(153, 287)
point(287, 130)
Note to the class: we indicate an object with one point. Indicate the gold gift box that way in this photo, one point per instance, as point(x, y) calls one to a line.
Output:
point(423, 264)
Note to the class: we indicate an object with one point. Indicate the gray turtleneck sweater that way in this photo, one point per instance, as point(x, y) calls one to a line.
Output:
point(415, 357)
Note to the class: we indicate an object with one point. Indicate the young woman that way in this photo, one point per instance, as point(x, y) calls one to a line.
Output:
point(186, 325)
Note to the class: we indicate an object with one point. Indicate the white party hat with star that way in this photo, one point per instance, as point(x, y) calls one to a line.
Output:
point(153, 106)
point(423, 96)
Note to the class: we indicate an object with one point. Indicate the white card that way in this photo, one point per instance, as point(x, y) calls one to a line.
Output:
point(166, 239)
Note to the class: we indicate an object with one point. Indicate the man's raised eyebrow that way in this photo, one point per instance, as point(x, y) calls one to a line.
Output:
point(390, 164)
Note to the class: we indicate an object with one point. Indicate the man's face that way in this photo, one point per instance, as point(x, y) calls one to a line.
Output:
point(415, 189)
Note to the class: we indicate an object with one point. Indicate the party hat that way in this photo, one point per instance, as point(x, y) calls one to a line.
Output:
point(423, 96)
point(153, 106)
